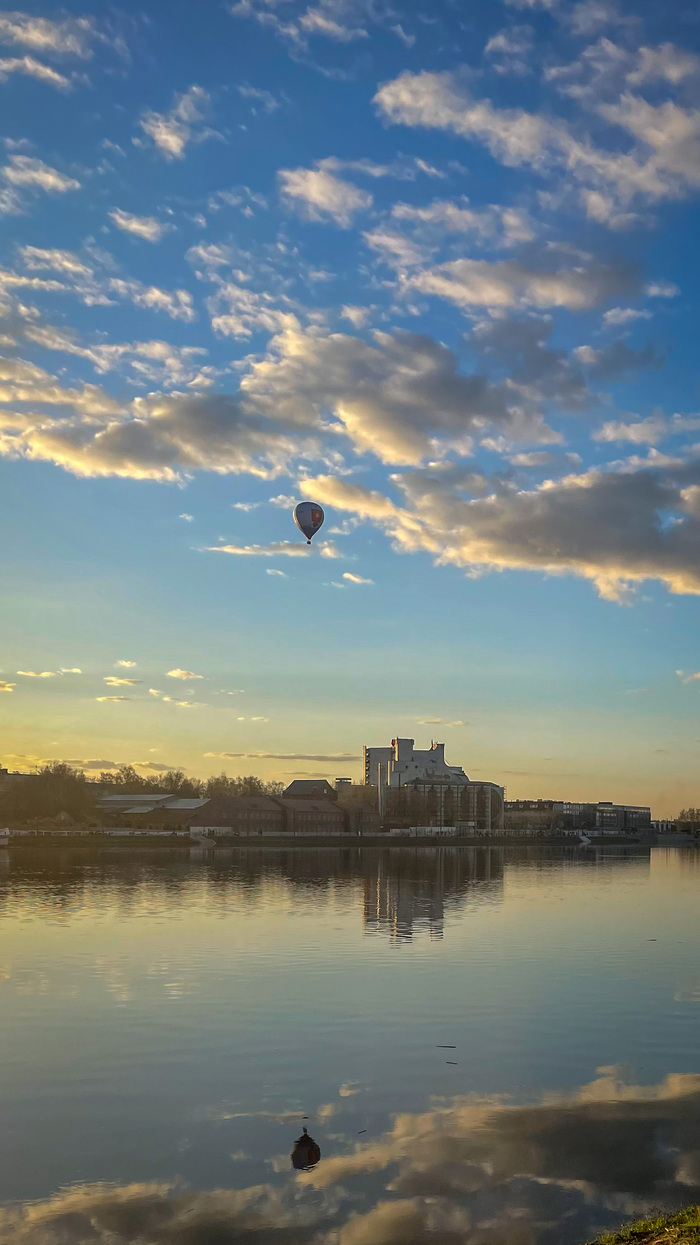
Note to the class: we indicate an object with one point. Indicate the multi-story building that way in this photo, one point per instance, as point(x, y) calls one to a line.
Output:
point(418, 787)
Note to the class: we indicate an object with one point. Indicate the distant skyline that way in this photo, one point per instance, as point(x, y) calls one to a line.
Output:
point(433, 266)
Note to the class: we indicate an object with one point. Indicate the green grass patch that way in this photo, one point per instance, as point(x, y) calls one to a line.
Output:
point(680, 1229)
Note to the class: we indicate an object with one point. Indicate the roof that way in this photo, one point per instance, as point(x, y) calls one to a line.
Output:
point(184, 805)
point(221, 810)
point(307, 786)
point(126, 798)
point(311, 806)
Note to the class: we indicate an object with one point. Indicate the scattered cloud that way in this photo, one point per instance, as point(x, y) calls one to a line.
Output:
point(319, 194)
point(28, 171)
point(126, 665)
point(38, 674)
point(260, 98)
point(7, 687)
point(113, 680)
point(146, 227)
point(688, 676)
point(72, 36)
point(285, 756)
point(173, 131)
point(32, 68)
point(189, 518)
point(183, 674)
point(70, 670)
point(280, 574)
point(103, 698)
point(356, 579)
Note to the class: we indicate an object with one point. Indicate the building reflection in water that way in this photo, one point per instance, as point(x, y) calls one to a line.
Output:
point(414, 889)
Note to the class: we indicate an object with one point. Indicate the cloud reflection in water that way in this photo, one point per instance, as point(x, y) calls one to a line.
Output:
point(469, 1171)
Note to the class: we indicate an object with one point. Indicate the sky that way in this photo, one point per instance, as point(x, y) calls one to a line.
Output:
point(433, 266)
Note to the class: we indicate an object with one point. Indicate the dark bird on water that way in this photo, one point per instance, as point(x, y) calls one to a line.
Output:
point(305, 1152)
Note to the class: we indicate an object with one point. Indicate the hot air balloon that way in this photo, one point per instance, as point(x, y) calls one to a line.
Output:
point(308, 517)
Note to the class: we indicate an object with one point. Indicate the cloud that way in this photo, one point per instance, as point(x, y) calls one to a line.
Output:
point(183, 674)
point(32, 68)
point(605, 526)
point(284, 756)
point(177, 304)
point(491, 224)
point(70, 670)
point(173, 131)
point(38, 674)
point(506, 284)
point(37, 258)
point(146, 227)
point(649, 431)
point(439, 722)
point(281, 574)
point(662, 162)
point(356, 579)
point(318, 194)
point(282, 548)
point(472, 1166)
point(686, 676)
point(189, 518)
point(70, 37)
point(103, 698)
point(509, 51)
point(7, 687)
point(265, 99)
point(28, 171)
point(126, 665)
point(618, 317)
point(113, 681)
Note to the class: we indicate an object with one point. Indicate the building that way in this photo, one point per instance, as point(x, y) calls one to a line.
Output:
point(417, 787)
point(310, 789)
point(239, 815)
point(341, 784)
point(312, 816)
point(605, 817)
point(153, 811)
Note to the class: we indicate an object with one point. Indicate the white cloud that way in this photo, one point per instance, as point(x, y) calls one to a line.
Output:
point(28, 171)
point(178, 673)
point(70, 670)
point(618, 317)
point(146, 227)
point(177, 304)
point(688, 676)
point(509, 283)
point(662, 163)
point(102, 699)
point(491, 224)
point(604, 526)
point(38, 674)
point(112, 680)
point(173, 131)
point(189, 518)
point(126, 665)
point(265, 99)
point(661, 289)
point(649, 431)
point(38, 258)
point(510, 50)
point(319, 194)
point(70, 37)
point(281, 574)
point(283, 548)
point(7, 687)
point(356, 579)
point(32, 68)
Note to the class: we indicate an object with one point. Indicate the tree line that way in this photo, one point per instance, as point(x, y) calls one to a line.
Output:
point(60, 788)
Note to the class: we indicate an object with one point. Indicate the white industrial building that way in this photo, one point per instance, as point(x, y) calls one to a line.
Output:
point(402, 768)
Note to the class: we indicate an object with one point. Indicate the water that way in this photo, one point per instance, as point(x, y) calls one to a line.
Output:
point(166, 1023)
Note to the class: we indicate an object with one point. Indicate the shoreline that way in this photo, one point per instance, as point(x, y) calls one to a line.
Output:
point(183, 844)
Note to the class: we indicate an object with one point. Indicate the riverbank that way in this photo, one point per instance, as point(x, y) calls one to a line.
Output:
point(680, 1229)
point(184, 845)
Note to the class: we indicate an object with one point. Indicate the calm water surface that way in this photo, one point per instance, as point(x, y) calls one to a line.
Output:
point(166, 1025)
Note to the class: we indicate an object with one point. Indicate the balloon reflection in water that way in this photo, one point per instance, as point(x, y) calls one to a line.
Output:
point(305, 1152)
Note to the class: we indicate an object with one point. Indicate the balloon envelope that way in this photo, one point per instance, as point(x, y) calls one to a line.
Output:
point(308, 516)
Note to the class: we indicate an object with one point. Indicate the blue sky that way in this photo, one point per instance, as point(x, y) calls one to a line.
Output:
point(433, 266)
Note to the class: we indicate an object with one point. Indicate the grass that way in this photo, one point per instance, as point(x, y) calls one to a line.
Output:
point(680, 1229)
